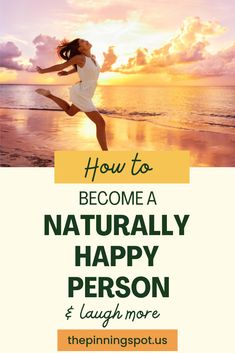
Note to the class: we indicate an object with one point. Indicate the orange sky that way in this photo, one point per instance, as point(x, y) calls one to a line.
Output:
point(145, 42)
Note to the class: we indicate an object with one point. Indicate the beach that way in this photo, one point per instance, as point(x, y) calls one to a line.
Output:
point(30, 137)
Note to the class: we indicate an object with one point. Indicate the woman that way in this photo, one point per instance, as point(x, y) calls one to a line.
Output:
point(77, 54)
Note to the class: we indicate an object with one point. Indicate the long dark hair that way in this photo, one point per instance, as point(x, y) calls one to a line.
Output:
point(66, 50)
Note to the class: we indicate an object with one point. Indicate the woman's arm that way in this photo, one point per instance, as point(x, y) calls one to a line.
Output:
point(76, 60)
point(65, 73)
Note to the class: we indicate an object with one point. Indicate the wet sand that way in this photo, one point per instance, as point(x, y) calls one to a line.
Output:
point(29, 138)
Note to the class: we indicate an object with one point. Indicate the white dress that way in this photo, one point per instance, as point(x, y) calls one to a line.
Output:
point(82, 92)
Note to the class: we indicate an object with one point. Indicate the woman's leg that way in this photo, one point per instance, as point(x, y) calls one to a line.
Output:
point(71, 110)
point(96, 117)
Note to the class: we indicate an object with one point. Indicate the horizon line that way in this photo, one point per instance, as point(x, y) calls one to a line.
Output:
point(125, 85)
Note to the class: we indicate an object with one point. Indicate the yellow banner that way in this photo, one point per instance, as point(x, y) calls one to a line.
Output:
point(105, 167)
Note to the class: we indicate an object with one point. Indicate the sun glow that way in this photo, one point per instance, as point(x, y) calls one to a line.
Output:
point(7, 76)
point(111, 78)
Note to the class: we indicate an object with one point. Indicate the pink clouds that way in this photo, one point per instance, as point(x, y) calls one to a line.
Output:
point(45, 51)
point(188, 45)
point(109, 59)
point(9, 52)
point(185, 54)
point(220, 64)
point(45, 54)
point(101, 10)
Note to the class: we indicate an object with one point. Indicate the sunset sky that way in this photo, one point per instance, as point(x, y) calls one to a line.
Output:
point(142, 42)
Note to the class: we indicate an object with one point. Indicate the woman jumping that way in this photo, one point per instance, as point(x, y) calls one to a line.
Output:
point(77, 54)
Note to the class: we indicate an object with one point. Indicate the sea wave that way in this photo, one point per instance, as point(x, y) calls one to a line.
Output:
point(156, 118)
point(32, 108)
point(230, 116)
point(223, 125)
point(102, 111)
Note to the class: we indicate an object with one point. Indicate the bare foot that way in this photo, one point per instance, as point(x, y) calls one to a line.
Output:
point(43, 92)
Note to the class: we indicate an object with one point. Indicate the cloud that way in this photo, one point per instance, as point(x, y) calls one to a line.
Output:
point(138, 60)
point(12, 38)
point(45, 51)
point(219, 64)
point(101, 10)
point(109, 59)
point(188, 45)
point(9, 53)
point(90, 3)
point(184, 54)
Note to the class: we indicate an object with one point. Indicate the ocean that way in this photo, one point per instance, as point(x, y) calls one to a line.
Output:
point(190, 108)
